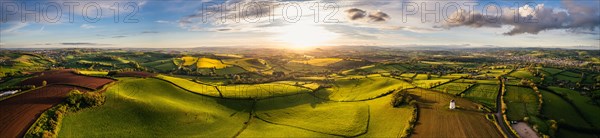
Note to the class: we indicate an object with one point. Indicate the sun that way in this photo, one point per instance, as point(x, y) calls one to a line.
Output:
point(303, 36)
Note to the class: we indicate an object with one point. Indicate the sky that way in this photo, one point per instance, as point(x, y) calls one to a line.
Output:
point(298, 24)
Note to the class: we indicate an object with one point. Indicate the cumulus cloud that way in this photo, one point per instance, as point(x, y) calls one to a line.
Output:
point(360, 14)
point(355, 13)
point(379, 16)
point(531, 20)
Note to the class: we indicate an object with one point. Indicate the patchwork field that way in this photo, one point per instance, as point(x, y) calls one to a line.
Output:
point(556, 108)
point(436, 120)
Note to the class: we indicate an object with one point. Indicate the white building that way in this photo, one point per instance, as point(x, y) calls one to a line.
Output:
point(452, 104)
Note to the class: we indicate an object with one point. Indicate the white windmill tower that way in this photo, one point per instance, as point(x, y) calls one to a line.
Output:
point(452, 104)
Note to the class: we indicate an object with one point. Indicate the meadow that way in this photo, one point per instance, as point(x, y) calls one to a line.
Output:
point(521, 102)
point(354, 89)
point(453, 88)
point(483, 93)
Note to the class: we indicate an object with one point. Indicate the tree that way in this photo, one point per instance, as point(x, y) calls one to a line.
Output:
point(44, 83)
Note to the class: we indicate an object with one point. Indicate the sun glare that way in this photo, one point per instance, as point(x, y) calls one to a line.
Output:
point(302, 36)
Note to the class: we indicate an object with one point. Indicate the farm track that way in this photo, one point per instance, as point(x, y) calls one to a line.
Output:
point(498, 115)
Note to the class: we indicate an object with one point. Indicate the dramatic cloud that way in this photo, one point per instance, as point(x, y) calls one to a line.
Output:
point(359, 14)
point(532, 20)
point(379, 16)
point(355, 13)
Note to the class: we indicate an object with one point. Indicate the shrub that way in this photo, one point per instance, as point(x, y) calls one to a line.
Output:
point(78, 99)
point(402, 98)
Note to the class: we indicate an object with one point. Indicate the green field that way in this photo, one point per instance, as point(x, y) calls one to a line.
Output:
point(154, 108)
point(379, 68)
point(523, 74)
point(188, 61)
point(494, 81)
point(556, 108)
point(522, 102)
point(453, 88)
point(552, 71)
point(429, 83)
point(161, 65)
point(352, 89)
point(583, 103)
point(93, 73)
point(483, 93)
point(310, 113)
point(249, 64)
point(567, 78)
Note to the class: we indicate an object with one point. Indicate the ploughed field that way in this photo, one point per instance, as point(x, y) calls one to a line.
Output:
point(436, 120)
point(20, 111)
point(66, 77)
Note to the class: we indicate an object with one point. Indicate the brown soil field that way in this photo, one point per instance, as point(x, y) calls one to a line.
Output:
point(19, 112)
point(436, 120)
point(135, 74)
point(67, 76)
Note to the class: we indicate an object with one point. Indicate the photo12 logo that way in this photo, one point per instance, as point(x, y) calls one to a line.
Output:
point(69, 11)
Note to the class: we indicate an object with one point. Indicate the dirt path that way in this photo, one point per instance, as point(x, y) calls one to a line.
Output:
point(436, 120)
point(524, 130)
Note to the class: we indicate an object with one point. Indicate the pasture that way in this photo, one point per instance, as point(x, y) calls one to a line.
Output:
point(582, 103)
point(354, 89)
point(154, 108)
point(521, 102)
point(484, 94)
point(453, 88)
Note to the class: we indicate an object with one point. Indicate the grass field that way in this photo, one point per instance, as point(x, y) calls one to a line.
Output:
point(421, 77)
point(379, 68)
point(249, 64)
point(352, 89)
point(453, 88)
point(483, 93)
point(454, 76)
point(161, 65)
point(387, 121)
point(436, 120)
point(210, 63)
point(552, 71)
point(319, 61)
point(556, 108)
point(521, 102)
point(493, 81)
point(93, 73)
point(523, 74)
point(583, 103)
point(154, 108)
point(307, 112)
point(567, 78)
point(260, 91)
point(192, 86)
point(13, 82)
point(230, 70)
point(429, 83)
